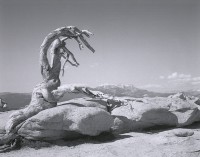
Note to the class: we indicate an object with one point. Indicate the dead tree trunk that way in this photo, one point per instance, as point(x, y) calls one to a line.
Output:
point(43, 96)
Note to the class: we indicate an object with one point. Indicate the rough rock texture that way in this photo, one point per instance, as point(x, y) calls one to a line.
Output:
point(179, 95)
point(88, 116)
point(4, 116)
point(67, 122)
point(176, 111)
point(86, 102)
point(134, 144)
point(183, 132)
point(190, 99)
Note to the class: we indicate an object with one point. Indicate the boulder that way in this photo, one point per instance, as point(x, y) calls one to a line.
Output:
point(179, 132)
point(174, 111)
point(86, 102)
point(196, 101)
point(179, 95)
point(183, 132)
point(182, 96)
point(66, 122)
point(4, 116)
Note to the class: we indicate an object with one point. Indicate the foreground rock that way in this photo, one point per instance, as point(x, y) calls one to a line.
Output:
point(86, 102)
point(180, 132)
point(4, 116)
point(87, 116)
point(134, 144)
point(66, 122)
point(175, 111)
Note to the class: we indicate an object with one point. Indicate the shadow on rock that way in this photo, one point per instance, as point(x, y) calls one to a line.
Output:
point(195, 125)
point(156, 129)
point(105, 137)
point(75, 104)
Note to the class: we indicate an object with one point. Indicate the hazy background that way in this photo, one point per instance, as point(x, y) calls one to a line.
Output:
point(152, 44)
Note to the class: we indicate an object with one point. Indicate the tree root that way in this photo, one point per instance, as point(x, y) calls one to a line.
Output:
point(14, 144)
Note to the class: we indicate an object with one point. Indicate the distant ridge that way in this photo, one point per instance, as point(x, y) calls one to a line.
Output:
point(128, 90)
point(19, 100)
point(16, 100)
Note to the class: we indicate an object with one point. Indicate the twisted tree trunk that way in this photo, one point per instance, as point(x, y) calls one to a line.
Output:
point(45, 95)
point(42, 98)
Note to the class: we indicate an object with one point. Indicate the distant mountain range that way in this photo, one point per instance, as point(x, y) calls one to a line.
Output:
point(128, 90)
point(19, 100)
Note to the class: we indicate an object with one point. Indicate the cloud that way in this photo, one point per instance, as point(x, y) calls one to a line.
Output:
point(196, 79)
point(176, 75)
point(177, 81)
point(183, 78)
point(173, 75)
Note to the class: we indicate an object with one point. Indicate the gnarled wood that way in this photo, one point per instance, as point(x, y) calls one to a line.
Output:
point(43, 96)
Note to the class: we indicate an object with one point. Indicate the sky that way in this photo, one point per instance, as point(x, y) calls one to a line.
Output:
point(152, 44)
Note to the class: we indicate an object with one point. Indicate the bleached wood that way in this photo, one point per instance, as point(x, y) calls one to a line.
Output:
point(43, 96)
